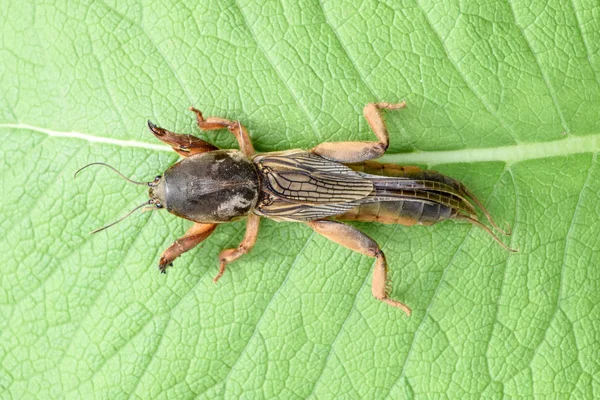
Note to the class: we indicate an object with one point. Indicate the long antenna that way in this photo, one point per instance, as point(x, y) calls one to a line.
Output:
point(114, 169)
point(123, 217)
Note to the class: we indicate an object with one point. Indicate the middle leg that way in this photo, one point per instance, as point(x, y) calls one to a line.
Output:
point(230, 255)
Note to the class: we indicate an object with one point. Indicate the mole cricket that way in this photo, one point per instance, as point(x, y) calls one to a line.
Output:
point(332, 182)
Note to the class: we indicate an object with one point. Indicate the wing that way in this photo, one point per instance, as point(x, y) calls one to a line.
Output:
point(428, 191)
point(302, 186)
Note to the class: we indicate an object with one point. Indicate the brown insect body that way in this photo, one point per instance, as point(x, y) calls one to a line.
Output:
point(329, 183)
point(223, 186)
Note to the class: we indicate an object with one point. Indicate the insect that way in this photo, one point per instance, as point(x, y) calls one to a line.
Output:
point(330, 183)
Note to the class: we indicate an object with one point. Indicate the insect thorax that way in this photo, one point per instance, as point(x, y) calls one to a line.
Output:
point(216, 186)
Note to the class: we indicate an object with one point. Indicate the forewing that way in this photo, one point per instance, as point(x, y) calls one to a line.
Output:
point(303, 186)
point(310, 179)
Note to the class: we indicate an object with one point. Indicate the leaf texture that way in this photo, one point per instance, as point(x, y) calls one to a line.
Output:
point(502, 95)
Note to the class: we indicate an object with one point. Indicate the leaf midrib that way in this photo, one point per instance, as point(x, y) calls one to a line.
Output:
point(509, 154)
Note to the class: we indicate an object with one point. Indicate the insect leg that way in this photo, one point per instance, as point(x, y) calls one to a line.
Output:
point(185, 145)
point(230, 255)
point(196, 234)
point(353, 152)
point(235, 127)
point(352, 238)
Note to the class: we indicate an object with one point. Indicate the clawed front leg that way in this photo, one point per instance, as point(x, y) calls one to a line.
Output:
point(236, 128)
point(229, 255)
point(194, 236)
point(353, 152)
point(185, 145)
point(354, 239)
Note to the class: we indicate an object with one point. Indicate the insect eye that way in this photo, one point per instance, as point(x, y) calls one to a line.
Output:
point(158, 205)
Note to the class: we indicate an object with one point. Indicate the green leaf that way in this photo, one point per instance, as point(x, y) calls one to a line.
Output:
point(501, 95)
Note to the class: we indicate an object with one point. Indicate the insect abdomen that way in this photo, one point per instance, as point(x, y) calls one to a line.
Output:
point(415, 197)
point(399, 212)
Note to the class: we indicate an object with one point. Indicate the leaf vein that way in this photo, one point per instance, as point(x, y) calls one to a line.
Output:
point(283, 81)
point(551, 90)
point(256, 327)
point(331, 351)
point(487, 106)
point(433, 297)
point(509, 154)
point(355, 66)
point(562, 267)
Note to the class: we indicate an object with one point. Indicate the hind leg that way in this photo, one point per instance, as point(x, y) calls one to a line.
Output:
point(230, 255)
point(353, 152)
point(353, 239)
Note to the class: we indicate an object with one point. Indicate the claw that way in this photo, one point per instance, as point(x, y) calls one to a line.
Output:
point(162, 265)
point(155, 129)
point(221, 271)
point(197, 112)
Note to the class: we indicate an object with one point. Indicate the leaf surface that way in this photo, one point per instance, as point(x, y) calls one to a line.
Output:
point(503, 96)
